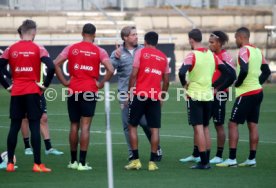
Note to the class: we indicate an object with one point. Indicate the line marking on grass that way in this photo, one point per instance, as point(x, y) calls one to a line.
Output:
point(162, 135)
point(91, 143)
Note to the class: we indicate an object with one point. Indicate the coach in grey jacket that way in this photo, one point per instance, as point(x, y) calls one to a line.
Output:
point(122, 60)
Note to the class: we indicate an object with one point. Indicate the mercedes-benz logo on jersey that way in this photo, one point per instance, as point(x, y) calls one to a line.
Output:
point(15, 54)
point(146, 55)
point(147, 70)
point(76, 66)
point(75, 52)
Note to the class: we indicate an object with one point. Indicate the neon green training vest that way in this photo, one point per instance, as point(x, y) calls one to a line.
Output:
point(41, 73)
point(251, 82)
point(200, 78)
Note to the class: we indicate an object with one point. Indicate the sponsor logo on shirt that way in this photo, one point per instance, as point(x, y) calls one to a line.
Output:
point(75, 51)
point(15, 54)
point(153, 71)
point(76, 66)
point(147, 70)
point(23, 69)
point(83, 67)
point(146, 55)
point(158, 58)
point(24, 54)
point(87, 53)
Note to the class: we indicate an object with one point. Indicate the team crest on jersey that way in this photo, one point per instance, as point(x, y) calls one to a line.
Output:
point(76, 66)
point(146, 55)
point(15, 54)
point(75, 51)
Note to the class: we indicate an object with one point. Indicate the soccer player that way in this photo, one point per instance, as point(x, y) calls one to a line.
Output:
point(150, 68)
point(217, 40)
point(252, 71)
point(24, 58)
point(201, 65)
point(84, 59)
point(122, 60)
point(44, 128)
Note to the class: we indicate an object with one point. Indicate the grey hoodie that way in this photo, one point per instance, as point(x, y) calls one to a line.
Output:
point(123, 66)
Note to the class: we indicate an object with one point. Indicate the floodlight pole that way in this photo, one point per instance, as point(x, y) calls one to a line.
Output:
point(108, 137)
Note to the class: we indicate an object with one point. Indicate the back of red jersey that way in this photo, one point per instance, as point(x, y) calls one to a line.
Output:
point(84, 60)
point(24, 59)
point(226, 58)
point(152, 64)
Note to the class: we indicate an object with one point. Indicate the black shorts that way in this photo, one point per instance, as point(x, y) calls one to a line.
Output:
point(25, 106)
point(43, 104)
point(149, 107)
point(218, 109)
point(79, 105)
point(247, 108)
point(199, 112)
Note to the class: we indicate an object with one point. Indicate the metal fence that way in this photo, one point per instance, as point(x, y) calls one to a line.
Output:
point(46, 5)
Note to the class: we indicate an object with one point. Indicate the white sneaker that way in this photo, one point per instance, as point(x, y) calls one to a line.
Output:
point(190, 159)
point(3, 165)
point(216, 160)
point(73, 165)
point(228, 163)
point(28, 151)
point(85, 167)
point(248, 163)
point(53, 151)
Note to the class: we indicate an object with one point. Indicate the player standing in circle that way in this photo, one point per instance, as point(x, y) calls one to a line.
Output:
point(201, 64)
point(217, 40)
point(122, 61)
point(24, 58)
point(84, 59)
point(150, 68)
point(253, 71)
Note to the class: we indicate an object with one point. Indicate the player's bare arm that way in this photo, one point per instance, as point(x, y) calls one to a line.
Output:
point(58, 62)
point(109, 72)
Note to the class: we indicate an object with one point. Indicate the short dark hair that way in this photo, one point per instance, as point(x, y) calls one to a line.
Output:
point(220, 36)
point(27, 25)
point(19, 30)
point(244, 30)
point(125, 32)
point(196, 35)
point(89, 29)
point(151, 38)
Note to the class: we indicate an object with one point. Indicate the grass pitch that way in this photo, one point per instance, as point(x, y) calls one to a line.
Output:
point(176, 142)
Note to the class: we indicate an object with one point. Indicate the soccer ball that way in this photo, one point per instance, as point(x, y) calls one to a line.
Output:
point(4, 157)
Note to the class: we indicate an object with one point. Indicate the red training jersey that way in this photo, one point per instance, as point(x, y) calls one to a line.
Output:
point(24, 60)
point(152, 65)
point(84, 60)
point(226, 58)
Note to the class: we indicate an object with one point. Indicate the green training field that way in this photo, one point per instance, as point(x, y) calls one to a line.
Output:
point(176, 142)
